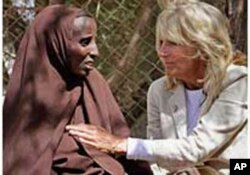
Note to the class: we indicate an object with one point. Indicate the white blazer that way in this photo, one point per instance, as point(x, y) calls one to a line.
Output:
point(167, 122)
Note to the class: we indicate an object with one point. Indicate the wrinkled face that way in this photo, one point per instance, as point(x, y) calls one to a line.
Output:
point(83, 49)
point(177, 62)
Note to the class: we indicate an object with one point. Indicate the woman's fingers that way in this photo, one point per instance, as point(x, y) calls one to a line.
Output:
point(81, 134)
point(92, 141)
point(91, 129)
point(96, 137)
point(84, 138)
point(80, 127)
point(80, 139)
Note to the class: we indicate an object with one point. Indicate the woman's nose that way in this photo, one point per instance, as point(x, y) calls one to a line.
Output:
point(163, 50)
point(94, 50)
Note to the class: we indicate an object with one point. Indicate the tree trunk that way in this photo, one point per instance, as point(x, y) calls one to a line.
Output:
point(237, 14)
point(131, 53)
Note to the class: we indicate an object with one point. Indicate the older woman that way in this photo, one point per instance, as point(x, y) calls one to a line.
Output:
point(197, 112)
point(54, 83)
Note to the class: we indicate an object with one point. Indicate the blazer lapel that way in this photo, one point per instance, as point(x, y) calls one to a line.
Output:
point(178, 108)
point(204, 104)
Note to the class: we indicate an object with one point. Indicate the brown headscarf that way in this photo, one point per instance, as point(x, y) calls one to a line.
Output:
point(43, 96)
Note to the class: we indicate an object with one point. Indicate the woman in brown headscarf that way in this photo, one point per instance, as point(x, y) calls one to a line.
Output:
point(54, 84)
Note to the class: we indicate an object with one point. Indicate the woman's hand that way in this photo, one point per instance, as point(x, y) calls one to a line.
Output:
point(98, 138)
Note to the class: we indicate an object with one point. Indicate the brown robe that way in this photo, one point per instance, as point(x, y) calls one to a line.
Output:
point(43, 96)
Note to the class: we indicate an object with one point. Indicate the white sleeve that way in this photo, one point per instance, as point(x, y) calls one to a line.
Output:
point(139, 149)
point(225, 115)
point(153, 114)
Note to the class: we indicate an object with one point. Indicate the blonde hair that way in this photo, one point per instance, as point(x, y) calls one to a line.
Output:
point(163, 4)
point(204, 27)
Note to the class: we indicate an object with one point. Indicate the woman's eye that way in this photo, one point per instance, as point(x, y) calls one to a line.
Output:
point(172, 43)
point(168, 43)
point(85, 41)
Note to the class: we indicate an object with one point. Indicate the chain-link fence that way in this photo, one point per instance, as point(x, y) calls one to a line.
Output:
point(125, 40)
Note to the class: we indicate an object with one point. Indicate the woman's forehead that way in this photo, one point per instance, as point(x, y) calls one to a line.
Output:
point(84, 23)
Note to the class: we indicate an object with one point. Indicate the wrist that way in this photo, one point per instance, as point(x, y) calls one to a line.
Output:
point(120, 147)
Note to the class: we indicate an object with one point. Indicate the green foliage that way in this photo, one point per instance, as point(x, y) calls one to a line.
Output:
point(126, 43)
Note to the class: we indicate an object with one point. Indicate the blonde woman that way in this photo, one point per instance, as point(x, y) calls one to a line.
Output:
point(197, 111)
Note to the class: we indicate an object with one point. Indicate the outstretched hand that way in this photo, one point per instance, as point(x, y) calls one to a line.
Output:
point(98, 138)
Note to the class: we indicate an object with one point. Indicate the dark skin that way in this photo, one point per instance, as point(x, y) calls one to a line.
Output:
point(81, 62)
point(83, 46)
point(178, 64)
